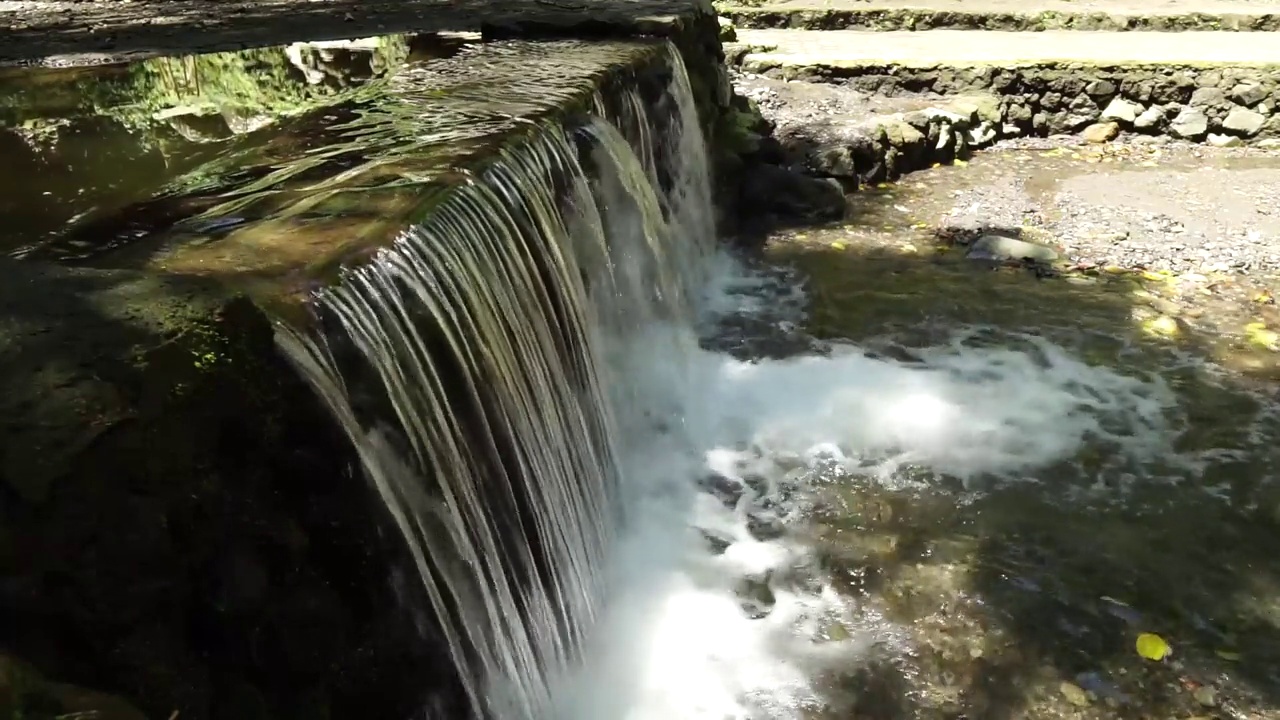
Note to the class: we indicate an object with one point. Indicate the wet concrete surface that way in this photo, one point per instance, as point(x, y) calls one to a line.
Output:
point(79, 32)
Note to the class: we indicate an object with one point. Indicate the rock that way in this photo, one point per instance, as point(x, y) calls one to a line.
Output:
point(765, 527)
point(1101, 132)
point(1149, 119)
point(1208, 97)
point(725, 489)
point(1269, 143)
point(778, 190)
point(902, 135)
point(1063, 123)
point(1248, 94)
point(1190, 124)
point(1074, 694)
point(1100, 88)
point(1121, 110)
point(1001, 248)
point(983, 134)
point(22, 689)
point(1206, 696)
point(756, 597)
point(949, 117)
point(1244, 121)
point(983, 107)
point(728, 33)
point(1220, 140)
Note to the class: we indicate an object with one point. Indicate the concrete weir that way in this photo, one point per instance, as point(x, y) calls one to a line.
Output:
point(181, 529)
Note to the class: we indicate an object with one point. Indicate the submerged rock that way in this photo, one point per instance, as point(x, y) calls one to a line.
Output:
point(725, 489)
point(1001, 248)
point(777, 190)
point(765, 527)
point(756, 597)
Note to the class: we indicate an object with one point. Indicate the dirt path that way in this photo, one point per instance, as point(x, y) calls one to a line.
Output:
point(962, 47)
point(1123, 7)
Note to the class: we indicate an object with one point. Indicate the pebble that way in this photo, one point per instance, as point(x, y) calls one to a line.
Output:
point(1074, 694)
point(1206, 696)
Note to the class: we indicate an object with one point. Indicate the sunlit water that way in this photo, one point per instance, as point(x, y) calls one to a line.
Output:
point(616, 519)
point(980, 410)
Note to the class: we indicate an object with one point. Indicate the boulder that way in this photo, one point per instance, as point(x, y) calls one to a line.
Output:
point(1121, 110)
point(1101, 132)
point(1243, 121)
point(1190, 124)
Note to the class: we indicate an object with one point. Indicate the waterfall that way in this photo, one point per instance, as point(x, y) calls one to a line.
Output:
point(477, 367)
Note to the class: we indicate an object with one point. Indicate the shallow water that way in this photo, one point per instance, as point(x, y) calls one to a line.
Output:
point(997, 480)
point(940, 519)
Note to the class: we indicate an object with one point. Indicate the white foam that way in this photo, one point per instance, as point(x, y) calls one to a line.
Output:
point(674, 643)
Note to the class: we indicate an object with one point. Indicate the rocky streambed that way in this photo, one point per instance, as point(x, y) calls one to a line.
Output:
point(1025, 594)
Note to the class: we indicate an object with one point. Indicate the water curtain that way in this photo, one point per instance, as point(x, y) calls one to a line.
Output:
point(477, 366)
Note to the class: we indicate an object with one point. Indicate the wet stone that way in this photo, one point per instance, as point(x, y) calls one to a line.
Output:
point(756, 597)
point(765, 527)
point(715, 542)
point(1074, 694)
point(725, 489)
point(1000, 248)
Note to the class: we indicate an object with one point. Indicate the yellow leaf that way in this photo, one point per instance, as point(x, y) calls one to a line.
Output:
point(1259, 335)
point(1163, 326)
point(1227, 655)
point(1153, 647)
point(837, 246)
point(1264, 298)
point(937, 165)
point(961, 163)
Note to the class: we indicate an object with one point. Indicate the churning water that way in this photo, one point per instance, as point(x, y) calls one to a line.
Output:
point(601, 510)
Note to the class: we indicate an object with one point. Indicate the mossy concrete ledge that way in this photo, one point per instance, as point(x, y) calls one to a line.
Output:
point(181, 526)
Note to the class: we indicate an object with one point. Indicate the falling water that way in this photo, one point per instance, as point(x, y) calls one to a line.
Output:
point(473, 365)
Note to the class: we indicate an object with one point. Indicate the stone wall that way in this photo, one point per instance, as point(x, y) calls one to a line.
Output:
point(885, 147)
point(1223, 106)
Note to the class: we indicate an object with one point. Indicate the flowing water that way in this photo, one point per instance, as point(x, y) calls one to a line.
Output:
point(620, 510)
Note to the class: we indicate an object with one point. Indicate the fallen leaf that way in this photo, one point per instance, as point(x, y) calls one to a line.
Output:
point(838, 246)
point(1153, 647)
point(1227, 655)
point(961, 163)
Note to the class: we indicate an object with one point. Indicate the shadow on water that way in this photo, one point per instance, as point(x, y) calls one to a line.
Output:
point(1025, 596)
